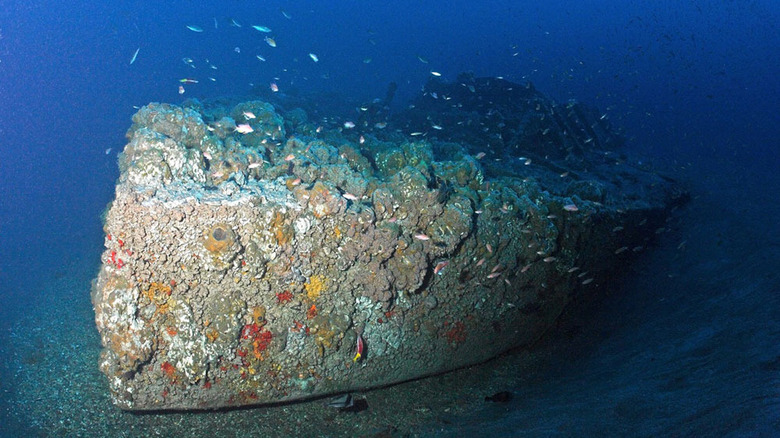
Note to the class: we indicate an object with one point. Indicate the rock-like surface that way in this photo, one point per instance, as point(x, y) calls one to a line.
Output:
point(246, 268)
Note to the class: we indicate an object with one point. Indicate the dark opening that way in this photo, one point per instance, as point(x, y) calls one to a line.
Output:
point(219, 234)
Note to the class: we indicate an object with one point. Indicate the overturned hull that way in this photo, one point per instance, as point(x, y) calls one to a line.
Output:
point(290, 262)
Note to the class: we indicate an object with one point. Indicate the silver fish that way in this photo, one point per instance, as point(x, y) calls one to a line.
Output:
point(135, 55)
point(341, 401)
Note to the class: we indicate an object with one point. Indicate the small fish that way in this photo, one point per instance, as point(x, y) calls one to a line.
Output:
point(207, 155)
point(361, 140)
point(500, 397)
point(437, 127)
point(421, 236)
point(587, 281)
point(349, 125)
point(234, 23)
point(194, 28)
point(480, 156)
point(423, 60)
point(296, 182)
point(439, 266)
point(493, 275)
point(259, 28)
point(349, 196)
point(260, 58)
point(217, 175)
point(571, 207)
point(108, 151)
point(181, 89)
point(573, 269)
point(480, 262)
point(435, 73)
point(549, 259)
point(135, 55)
point(489, 248)
point(564, 174)
point(244, 128)
point(380, 125)
point(525, 268)
point(248, 114)
point(188, 81)
point(289, 157)
point(341, 402)
point(621, 249)
point(274, 87)
point(616, 229)
point(314, 57)
point(359, 349)
point(254, 165)
point(414, 134)
point(286, 15)
point(270, 41)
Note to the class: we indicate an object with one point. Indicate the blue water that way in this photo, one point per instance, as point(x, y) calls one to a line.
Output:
point(694, 85)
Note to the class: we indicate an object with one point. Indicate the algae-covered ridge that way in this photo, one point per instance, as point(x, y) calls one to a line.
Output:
point(244, 267)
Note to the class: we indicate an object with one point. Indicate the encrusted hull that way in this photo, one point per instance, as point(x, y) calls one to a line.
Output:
point(242, 269)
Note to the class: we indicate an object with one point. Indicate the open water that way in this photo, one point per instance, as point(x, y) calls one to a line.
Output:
point(686, 344)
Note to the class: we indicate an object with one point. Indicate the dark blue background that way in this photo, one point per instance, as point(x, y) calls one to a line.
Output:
point(693, 83)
